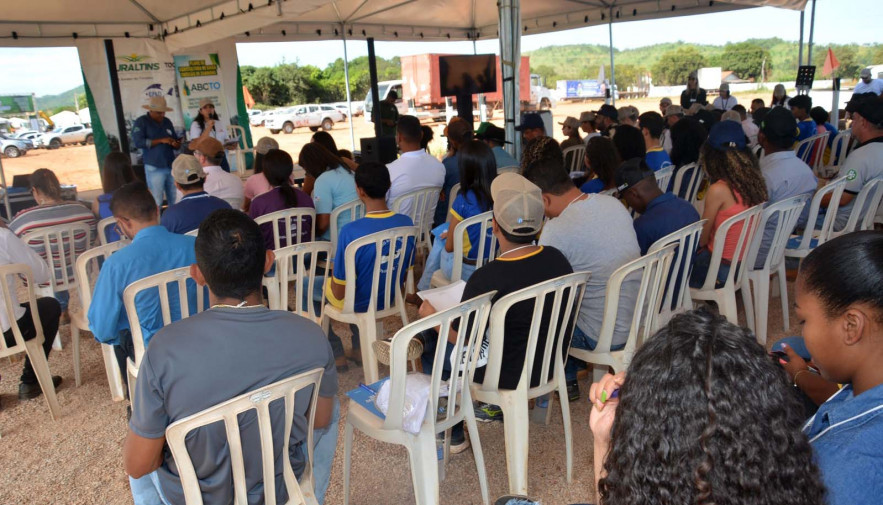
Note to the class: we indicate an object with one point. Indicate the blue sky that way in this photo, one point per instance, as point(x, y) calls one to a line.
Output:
point(837, 21)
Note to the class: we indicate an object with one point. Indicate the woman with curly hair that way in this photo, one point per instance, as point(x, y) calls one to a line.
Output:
point(735, 185)
point(703, 416)
point(601, 160)
point(540, 148)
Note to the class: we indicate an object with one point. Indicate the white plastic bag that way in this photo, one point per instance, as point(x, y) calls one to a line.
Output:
point(416, 398)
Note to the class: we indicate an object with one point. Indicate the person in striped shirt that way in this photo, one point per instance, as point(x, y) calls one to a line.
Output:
point(51, 210)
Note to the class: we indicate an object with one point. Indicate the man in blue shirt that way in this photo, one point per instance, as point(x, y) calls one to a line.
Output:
point(652, 126)
point(800, 107)
point(153, 250)
point(196, 204)
point(661, 213)
point(495, 137)
point(154, 134)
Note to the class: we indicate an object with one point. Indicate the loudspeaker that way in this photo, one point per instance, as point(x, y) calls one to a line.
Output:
point(380, 149)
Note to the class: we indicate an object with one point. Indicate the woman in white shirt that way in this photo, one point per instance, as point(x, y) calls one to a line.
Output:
point(208, 124)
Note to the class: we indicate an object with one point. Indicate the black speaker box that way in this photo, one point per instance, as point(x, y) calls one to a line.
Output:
point(380, 149)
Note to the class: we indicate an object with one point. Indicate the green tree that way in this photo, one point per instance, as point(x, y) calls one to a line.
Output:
point(746, 59)
point(675, 66)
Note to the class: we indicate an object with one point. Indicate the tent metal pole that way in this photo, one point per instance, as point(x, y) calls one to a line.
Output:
point(117, 95)
point(375, 93)
point(346, 80)
point(812, 25)
point(5, 193)
point(800, 43)
point(510, 65)
point(612, 86)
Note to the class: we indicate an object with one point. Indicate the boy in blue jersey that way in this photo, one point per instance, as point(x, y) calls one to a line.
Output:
point(372, 184)
point(652, 126)
point(800, 107)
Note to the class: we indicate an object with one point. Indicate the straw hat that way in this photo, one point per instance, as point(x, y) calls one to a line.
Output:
point(157, 104)
point(383, 348)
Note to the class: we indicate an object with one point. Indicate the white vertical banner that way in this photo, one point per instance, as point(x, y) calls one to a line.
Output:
point(199, 77)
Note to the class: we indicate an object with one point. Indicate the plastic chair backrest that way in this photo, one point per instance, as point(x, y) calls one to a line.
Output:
point(9, 291)
point(663, 176)
point(58, 246)
point(835, 189)
point(454, 192)
point(419, 205)
point(573, 158)
point(786, 214)
point(758, 151)
point(472, 317)
point(808, 149)
point(510, 168)
point(355, 209)
point(487, 242)
point(238, 131)
point(653, 268)
point(865, 208)
point(566, 294)
point(84, 280)
point(162, 282)
point(298, 263)
point(747, 220)
point(228, 412)
point(840, 148)
point(687, 241)
point(291, 221)
point(102, 228)
point(688, 180)
point(397, 260)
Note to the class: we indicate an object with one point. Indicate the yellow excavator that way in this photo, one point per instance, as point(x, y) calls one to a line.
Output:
point(49, 123)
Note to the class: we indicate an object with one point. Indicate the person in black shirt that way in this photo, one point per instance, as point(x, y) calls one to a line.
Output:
point(693, 93)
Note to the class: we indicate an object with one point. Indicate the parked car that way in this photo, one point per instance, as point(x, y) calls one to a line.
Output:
point(344, 108)
point(13, 148)
point(255, 117)
point(75, 134)
point(313, 116)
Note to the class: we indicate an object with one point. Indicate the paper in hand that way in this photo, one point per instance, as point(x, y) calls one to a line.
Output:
point(444, 297)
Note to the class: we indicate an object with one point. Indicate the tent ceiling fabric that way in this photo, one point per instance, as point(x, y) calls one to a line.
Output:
point(187, 23)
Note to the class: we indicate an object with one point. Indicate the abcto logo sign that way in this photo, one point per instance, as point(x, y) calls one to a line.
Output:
point(205, 86)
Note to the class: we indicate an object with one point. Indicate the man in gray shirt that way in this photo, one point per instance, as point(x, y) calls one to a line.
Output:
point(235, 347)
point(595, 233)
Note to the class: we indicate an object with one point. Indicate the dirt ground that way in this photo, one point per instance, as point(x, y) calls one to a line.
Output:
point(78, 165)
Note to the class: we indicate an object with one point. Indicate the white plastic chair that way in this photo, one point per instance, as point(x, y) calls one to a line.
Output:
point(688, 180)
point(840, 148)
point(865, 208)
point(102, 228)
point(573, 158)
point(510, 168)
point(193, 233)
point(663, 176)
point(725, 296)
point(653, 270)
point(812, 150)
point(370, 322)
point(88, 262)
point(291, 221)
point(560, 300)
point(487, 243)
point(33, 347)
point(240, 151)
point(159, 285)
point(802, 245)
point(758, 151)
point(355, 209)
point(422, 446)
point(786, 214)
point(687, 240)
point(454, 192)
point(299, 264)
point(419, 205)
point(228, 412)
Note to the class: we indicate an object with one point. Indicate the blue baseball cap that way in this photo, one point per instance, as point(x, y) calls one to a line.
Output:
point(727, 135)
point(531, 121)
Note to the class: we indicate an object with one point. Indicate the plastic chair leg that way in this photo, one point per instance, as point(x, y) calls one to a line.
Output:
point(347, 461)
point(747, 301)
point(272, 285)
point(783, 296)
point(424, 468)
point(368, 331)
point(75, 347)
point(472, 428)
point(565, 418)
point(114, 378)
point(761, 305)
point(727, 305)
point(516, 430)
point(44, 377)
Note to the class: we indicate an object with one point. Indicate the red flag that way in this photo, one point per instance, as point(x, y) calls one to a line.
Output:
point(831, 63)
point(249, 101)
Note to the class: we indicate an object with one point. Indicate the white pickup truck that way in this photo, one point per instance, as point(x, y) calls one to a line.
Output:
point(313, 116)
point(75, 134)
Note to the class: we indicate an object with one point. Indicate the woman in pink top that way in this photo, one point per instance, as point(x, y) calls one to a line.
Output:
point(257, 184)
point(736, 184)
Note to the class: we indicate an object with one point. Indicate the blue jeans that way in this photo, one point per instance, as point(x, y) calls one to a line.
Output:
point(333, 339)
point(701, 264)
point(147, 491)
point(439, 259)
point(160, 180)
point(581, 341)
point(64, 298)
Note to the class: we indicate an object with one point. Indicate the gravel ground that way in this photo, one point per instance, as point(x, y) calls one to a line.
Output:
point(78, 458)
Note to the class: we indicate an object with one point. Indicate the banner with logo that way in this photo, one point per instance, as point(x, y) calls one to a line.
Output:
point(199, 77)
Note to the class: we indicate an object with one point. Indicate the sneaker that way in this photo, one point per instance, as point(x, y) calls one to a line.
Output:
point(486, 413)
point(573, 390)
point(29, 391)
point(459, 444)
point(515, 500)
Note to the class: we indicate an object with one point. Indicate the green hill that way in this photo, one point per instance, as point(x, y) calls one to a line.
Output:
point(63, 100)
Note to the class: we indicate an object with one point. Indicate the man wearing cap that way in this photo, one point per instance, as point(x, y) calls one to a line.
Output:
point(587, 124)
point(415, 168)
point(627, 115)
point(208, 124)
point(195, 204)
point(607, 117)
point(570, 129)
point(218, 183)
point(664, 104)
point(495, 137)
point(595, 233)
point(725, 101)
point(867, 84)
point(784, 173)
point(652, 126)
point(531, 127)
point(155, 135)
point(672, 114)
point(865, 162)
point(693, 94)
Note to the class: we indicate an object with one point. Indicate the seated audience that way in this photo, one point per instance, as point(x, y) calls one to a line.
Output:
point(277, 168)
point(195, 204)
point(587, 124)
point(153, 250)
point(372, 185)
point(540, 148)
point(629, 142)
point(477, 170)
point(820, 116)
point(606, 120)
point(428, 134)
point(458, 133)
point(325, 140)
point(601, 160)
point(13, 250)
point(335, 187)
point(415, 168)
point(117, 171)
point(495, 137)
point(756, 104)
point(800, 107)
point(51, 210)
point(627, 115)
point(840, 303)
point(315, 159)
point(735, 185)
point(667, 430)
point(595, 233)
point(531, 127)
point(652, 126)
point(257, 184)
point(725, 101)
point(218, 183)
point(748, 125)
point(687, 138)
point(661, 213)
point(570, 130)
point(664, 104)
point(235, 347)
